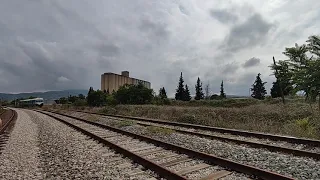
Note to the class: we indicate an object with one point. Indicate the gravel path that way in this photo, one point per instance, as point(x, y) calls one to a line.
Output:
point(297, 167)
point(40, 147)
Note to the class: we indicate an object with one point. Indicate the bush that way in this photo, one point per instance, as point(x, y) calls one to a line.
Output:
point(111, 101)
point(80, 102)
point(133, 94)
point(161, 101)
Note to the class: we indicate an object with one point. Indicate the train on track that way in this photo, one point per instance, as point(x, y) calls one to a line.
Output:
point(31, 102)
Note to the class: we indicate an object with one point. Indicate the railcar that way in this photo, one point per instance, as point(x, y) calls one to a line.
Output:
point(31, 102)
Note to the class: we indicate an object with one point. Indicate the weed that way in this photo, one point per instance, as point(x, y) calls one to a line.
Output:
point(124, 123)
point(159, 130)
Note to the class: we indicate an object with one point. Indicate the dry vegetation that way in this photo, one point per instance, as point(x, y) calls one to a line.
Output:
point(295, 118)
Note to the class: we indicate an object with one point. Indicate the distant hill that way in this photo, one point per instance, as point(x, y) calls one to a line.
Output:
point(47, 96)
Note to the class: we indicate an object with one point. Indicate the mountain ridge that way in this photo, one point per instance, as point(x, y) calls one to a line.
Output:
point(47, 95)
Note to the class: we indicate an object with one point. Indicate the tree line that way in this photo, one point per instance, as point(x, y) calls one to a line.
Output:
point(183, 93)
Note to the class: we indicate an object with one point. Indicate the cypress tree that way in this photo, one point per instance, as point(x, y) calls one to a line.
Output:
point(180, 90)
point(162, 93)
point(258, 89)
point(222, 94)
point(199, 93)
point(186, 94)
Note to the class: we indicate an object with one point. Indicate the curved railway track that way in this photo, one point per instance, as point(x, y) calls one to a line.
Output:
point(275, 143)
point(6, 126)
point(168, 160)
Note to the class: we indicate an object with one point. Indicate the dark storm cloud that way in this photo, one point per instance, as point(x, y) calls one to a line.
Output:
point(250, 33)
point(251, 62)
point(223, 16)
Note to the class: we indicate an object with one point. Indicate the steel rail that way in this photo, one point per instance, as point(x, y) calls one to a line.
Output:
point(273, 148)
point(242, 168)
point(163, 172)
point(13, 116)
point(290, 139)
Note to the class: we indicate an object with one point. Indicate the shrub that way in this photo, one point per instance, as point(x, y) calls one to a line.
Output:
point(111, 101)
point(80, 102)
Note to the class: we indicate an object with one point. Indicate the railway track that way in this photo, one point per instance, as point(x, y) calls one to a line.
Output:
point(5, 129)
point(289, 145)
point(168, 160)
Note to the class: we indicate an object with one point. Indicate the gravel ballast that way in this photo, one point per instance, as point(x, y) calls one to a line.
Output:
point(160, 157)
point(289, 165)
point(40, 147)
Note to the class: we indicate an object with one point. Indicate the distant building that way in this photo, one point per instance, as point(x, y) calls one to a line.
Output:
point(111, 81)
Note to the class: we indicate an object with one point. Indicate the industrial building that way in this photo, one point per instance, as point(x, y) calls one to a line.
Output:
point(111, 81)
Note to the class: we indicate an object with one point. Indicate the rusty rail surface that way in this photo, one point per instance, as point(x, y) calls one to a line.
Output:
point(235, 166)
point(12, 117)
point(273, 148)
point(290, 139)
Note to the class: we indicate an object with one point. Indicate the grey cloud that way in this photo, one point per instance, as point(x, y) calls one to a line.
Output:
point(250, 33)
point(44, 43)
point(183, 10)
point(157, 29)
point(230, 68)
point(251, 62)
point(224, 16)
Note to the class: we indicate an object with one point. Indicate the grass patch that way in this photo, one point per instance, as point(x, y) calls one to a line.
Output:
point(92, 118)
point(159, 130)
point(295, 118)
point(125, 123)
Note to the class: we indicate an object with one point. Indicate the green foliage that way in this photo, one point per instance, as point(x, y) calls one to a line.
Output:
point(258, 89)
point(110, 100)
point(180, 90)
point(96, 98)
point(300, 71)
point(215, 97)
point(222, 94)
point(80, 102)
point(283, 79)
point(161, 101)
point(162, 93)
point(186, 94)
point(199, 92)
point(133, 94)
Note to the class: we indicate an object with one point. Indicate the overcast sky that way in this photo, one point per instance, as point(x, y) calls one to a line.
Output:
point(68, 44)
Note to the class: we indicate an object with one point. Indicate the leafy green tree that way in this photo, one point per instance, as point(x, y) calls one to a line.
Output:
point(162, 93)
point(283, 84)
point(180, 90)
point(276, 90)
point(199, 92)
point(186, 94)
point(258, 89)
point(133, 94)
point(96, 98)
point(222, 93)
